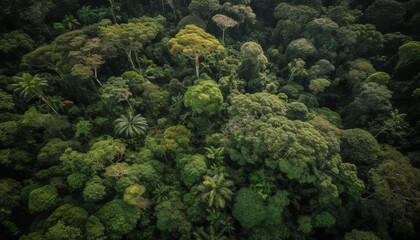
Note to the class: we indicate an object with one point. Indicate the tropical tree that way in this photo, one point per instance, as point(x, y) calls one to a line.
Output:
point(224, 22)
point(86, 15)
point(215, 154)
point(194, 42)
point(70, 22)
point(117, 87)
point(89, 54)
point(132, 36)
point(130, 126)
point(133, 196)
point(204, 97)
point(216, 190)
point(204, 8)
point(28, 85)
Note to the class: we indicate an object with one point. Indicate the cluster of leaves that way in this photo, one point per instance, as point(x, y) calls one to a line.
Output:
point(131, 120)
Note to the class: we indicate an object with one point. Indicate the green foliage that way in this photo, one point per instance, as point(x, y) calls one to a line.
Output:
point(203, 8)
point(70, 22)
point(194, 42)
point(43, 199)
point(94, 190)
point(330, 115)
point(318, 85)
point(170, 215)
point(322, 68)
point(133, 196)
point(68, 215)
point(118, 217)
point(294, 152)
point(297, 111)
point(324, 220)
point(276, 206)
point(215, 155)
point(116, 87)
point(27, 86)
point(297, 16)
point(320, 29)
point(117, 170)
point(359, 146)
point(360, 235)
point(133, 36)
point(258, 104)
point(76, 180)
point(300, 48)
point(204, 97)
point(253, 53)
point(368, 39)
point(130, 126)
point(95, 229)
point(386, 15)
point(16, 40)
point(193, 170)
point(396, 185)
point(192, 20)
point(100, 155)
point(135, 80)
point(254, 149)
point(83, 129)
point(408, 54)
point(6, 101)
point(8, 131)
point(216, 190)
point(249, 208)
point(15, 158)
point(51, 152)
point(380, 78)
point(86, 15)
point(305, 224)
point(62, 232)
point(176, 137)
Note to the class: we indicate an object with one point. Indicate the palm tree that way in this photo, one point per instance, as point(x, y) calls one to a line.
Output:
point(70, 22)
point(216, 190)
point(215, 154)
point(27, 86)
point(130, 126)
point(87, 16)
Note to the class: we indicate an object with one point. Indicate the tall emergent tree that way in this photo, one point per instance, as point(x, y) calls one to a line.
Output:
point(27, 86)
point(89, 55)
point(194, 42)
point(224, 22)
point(133, 36)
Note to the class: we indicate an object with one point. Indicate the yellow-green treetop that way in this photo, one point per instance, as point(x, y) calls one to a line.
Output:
point(194, 42)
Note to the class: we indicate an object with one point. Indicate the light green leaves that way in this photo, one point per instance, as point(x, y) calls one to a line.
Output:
point(204, 97)
point(193, 41)
point(133, 196)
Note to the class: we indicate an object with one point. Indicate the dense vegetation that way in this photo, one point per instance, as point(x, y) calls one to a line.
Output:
point(210, 119)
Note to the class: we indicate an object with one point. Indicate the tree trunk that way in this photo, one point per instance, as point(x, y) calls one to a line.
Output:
point(223, 36)
point(112, 11)
point(45, 100)
point(131, 61)
point(129, 104)
point(197, 67)
point(95, 76)
point(137, 60)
